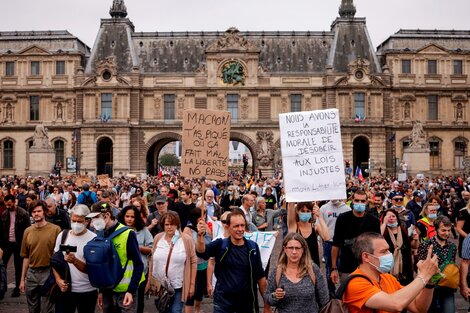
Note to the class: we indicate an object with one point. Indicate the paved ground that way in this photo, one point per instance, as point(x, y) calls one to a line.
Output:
point(19, 305)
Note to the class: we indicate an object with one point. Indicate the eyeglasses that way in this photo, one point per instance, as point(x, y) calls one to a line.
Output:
point(294, 248)
point(397, 199)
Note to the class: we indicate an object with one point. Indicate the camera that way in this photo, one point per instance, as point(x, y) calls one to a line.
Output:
point(67, 249)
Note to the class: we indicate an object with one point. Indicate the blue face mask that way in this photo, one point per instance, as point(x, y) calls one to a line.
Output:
point(359, 207)
point(432, 215)
point(438, 207)
point(305, 216)
point(392, 225)
point(386, 263)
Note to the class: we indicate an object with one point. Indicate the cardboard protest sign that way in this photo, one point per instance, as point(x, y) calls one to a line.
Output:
point(312, 155)
point(104, 180)
point(83, 179)
point(206, 138)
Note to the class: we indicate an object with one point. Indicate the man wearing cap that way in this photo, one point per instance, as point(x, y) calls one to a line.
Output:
point(121, 298)
point(416, 205)
point(407, 218)
point(153, 220)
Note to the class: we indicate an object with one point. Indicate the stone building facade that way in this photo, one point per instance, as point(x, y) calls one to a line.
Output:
point(114, 106)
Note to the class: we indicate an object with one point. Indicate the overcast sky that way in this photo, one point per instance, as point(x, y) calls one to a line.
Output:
point(82, 17)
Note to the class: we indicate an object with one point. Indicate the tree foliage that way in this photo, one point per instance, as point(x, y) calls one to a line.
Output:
point(169, 160)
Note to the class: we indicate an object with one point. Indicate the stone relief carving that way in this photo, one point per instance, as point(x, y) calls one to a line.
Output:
point(41, 137)
point(180, 107)
point(284, 108)
point(418, 137)
point(308, 103)
point(106, 64)
point(158, 106)
point(221, 103)
point(232, 40)
point(264, 147)
point(244, 107)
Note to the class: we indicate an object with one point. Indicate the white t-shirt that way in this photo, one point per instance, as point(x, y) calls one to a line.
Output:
point(177, 261)
point(80, 281)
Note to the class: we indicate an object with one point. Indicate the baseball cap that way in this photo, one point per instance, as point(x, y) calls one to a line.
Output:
point(160, 199)
point(394, 194)
point(99, 208)
point(417, 193)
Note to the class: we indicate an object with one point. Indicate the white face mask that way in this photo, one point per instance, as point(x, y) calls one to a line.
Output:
point(99, 224)
point(77, 228)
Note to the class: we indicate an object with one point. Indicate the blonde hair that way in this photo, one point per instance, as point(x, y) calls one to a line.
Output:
point(305, 262)
point(428, 204)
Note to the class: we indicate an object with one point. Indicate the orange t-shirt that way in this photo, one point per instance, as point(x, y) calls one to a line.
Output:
point(360, 290)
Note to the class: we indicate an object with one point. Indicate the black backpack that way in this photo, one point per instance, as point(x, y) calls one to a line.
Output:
point(88, 199)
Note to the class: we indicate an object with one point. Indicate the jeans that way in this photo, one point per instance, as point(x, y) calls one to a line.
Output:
point(112, 302)
point(327, 247)
point(176, 305)
point(443, 300)
point(35, 278)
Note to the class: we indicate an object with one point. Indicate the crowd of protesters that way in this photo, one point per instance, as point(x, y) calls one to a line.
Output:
point(396, 234)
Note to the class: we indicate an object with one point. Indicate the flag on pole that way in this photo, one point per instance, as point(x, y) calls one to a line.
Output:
point(358, 174)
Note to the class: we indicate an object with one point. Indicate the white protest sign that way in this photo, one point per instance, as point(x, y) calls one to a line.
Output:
point(312, 155)
point(264, 239)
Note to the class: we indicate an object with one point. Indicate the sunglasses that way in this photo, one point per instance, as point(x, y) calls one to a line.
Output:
point(397, 199)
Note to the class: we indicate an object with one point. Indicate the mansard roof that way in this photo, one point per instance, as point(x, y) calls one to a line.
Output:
point(413, 40)
point(293, 52)
point(51, 40)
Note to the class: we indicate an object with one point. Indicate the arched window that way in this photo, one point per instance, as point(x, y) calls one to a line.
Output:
point(59, 148)
point(8, 154)
point(435, 154)
point(460, 149)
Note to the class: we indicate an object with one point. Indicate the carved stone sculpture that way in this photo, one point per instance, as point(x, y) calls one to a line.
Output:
point(418, 137)
point(264, 150)
point(41, 137)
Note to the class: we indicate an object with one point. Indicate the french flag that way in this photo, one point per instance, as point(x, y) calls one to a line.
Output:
point(359, 174)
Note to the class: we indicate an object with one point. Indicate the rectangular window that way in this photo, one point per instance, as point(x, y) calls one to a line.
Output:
point(296, 103)
point(34, 108)
point(169, 107)
point(458, 67)
point(432, 66)
point(359, 105)
point(433, 111)
point(406, 66)
point(35, 68)
point(9, 68)
point(106, 106)
point(8, 154)
point(232, 106)
point(60, 67)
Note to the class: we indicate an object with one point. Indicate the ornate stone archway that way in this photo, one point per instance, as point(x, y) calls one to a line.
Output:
point(249, 143)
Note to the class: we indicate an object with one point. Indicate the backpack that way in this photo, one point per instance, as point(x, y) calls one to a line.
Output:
point(88, 199)
point(102, 260)
point(336, 304)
